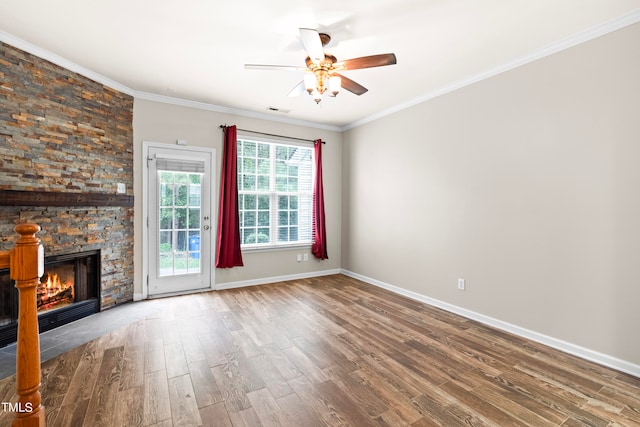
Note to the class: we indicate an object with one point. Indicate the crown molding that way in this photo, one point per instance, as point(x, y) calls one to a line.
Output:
point(235, 111)
point(571, 41)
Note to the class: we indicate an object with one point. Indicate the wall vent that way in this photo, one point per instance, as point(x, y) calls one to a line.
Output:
point(278, 110)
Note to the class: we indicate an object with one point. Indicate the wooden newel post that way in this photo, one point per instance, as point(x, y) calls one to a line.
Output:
point(27, 265)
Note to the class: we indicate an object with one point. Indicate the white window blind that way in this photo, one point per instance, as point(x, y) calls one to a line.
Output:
point(275, 189)
point(179, 165)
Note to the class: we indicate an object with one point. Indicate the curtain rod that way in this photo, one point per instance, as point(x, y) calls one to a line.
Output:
point(272, 134)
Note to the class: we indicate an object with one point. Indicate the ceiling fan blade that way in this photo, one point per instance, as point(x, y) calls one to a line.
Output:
point(312, 44)
point(368, 61)
point(350, 85)
point(298, 90)
point(274, 67)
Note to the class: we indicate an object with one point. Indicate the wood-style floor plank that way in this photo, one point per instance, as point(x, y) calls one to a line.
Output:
point(215, 415)
point(130, 411)
point(297, 413)
point(184, 409)
point(105, 399)
point(157, 405)
point(175, 359)
point(132, 374)
point(204, 385)
point(326, 351)
point(83, 381)
point(267, 408)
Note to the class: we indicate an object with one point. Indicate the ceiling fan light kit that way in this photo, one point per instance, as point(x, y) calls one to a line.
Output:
point(322, 69)
point(315, 81)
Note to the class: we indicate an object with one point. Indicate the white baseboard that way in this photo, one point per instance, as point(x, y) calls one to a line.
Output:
point(253, 282)
point(567, 347)
point(267, 280)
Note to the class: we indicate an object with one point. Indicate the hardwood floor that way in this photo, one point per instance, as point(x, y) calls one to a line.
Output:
point(326, 351)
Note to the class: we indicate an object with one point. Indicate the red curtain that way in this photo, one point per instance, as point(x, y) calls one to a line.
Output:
point(319, 247)
point(229, 254)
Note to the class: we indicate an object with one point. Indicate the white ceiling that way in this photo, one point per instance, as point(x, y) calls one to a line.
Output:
point(195, 50)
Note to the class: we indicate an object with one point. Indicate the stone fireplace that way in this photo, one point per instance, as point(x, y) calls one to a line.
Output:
point(66, 148)
point(69, 290)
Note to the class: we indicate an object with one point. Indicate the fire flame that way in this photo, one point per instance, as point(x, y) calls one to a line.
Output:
point(53, 282)
point(54, 291)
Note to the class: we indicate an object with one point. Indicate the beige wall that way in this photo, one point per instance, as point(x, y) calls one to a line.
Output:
point(525, 184)
point(165, 123)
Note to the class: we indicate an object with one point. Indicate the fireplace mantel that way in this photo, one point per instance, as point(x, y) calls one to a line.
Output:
point(56, 198)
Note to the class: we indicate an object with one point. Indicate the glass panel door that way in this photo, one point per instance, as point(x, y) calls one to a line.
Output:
point(180, 255)
point(180, 208)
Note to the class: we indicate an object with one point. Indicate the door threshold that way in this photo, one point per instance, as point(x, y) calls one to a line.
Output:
point(178, 293)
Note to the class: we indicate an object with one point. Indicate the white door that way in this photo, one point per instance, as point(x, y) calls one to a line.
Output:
point(180, 256)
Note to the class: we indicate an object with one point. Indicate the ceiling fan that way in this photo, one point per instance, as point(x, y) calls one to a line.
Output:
point(322, 69)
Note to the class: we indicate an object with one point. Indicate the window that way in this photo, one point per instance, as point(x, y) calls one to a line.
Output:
point(179, 214)
point(275, 190)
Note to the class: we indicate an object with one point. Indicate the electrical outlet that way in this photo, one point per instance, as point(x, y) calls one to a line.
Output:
point(299, 257)
point(121, 188)
point(305, 257)
point(461, 284)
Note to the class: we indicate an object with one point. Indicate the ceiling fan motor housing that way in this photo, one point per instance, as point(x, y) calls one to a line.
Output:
point(324, 38)
point(327, 64)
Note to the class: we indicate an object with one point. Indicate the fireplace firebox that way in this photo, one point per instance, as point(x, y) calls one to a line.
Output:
point(69, 290)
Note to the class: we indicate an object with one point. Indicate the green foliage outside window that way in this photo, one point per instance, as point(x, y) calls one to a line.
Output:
point(180, 210)
point(274, 185)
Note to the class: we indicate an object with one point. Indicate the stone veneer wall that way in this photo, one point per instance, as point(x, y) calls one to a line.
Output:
point(60, 131)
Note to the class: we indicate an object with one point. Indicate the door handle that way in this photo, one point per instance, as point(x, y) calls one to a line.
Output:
point(206, 227)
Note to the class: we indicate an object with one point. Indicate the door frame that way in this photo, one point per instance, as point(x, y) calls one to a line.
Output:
point(146, 145)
